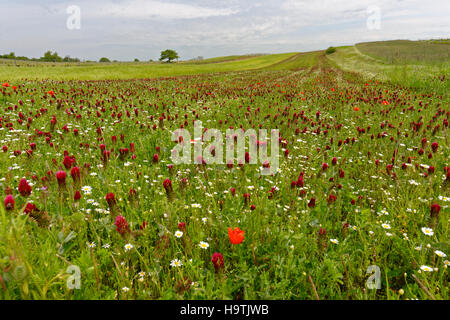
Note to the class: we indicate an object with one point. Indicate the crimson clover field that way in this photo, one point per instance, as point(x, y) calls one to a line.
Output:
point(88, 184)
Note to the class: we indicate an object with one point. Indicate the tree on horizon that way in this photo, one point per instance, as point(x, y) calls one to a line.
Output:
point(168, 55)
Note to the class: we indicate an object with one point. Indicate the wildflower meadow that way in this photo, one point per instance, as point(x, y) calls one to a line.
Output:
point(94, 207)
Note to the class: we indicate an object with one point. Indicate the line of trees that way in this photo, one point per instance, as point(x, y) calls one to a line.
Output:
point(49, 56)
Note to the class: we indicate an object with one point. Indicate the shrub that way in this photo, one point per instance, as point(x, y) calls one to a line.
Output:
point(330, 50)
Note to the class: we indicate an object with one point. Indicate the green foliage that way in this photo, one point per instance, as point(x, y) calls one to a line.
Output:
point(69, 59)
point(50, 56)
point(13, 56)
point(104, 59)
point(168, 55)
point(330, 50)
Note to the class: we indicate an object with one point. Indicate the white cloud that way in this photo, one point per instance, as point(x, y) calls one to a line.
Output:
point(140, 9)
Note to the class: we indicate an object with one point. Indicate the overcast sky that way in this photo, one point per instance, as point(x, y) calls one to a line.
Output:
point(128, 29)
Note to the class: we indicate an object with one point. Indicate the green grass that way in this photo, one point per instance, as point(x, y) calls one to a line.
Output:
point(425, 75)
point(223, 59)
point(298, 61)
point(407, 52)
point(99, 71)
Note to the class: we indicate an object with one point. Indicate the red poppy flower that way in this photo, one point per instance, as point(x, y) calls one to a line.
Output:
point(236, 235)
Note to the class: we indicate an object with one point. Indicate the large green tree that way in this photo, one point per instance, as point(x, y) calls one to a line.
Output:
point(168, 55)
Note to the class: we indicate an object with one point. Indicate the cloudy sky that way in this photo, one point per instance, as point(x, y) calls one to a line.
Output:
point(128, 29)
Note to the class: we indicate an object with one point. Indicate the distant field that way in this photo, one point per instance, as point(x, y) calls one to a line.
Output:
point(223, 59)
point(410, 63)
point(424, 75)
point(98, 71)
point(405, 51)
point(298, 61)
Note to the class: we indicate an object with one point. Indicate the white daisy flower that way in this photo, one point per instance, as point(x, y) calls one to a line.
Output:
point(427, 231)
point(335, 241)
point(128, 246)
point(176, 263)
point(87, 190)
point(440, 253)
point(178, 234)
point(204, 245)
point(426, 268)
